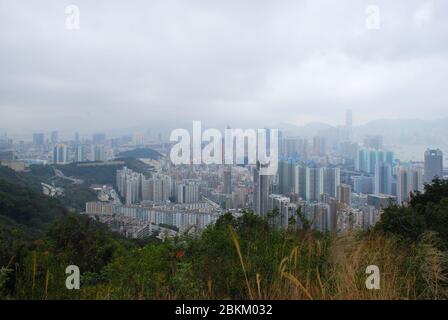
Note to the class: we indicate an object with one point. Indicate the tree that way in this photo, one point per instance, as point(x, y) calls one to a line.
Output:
point(82, 241)
point(428, 211)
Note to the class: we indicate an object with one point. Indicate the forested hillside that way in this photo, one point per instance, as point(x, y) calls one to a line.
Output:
point(237, 258)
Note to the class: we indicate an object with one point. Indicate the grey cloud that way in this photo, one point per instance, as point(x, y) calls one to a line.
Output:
point(222, 62)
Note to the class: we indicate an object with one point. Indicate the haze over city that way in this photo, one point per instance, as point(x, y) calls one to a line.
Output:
point(223, 150)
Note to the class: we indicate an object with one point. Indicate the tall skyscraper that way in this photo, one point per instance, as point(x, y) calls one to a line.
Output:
point(344, 194)
point(281, 203)
point(310, 182)
point(408, 180)
point(162, 189)
point(228, 181)
point(316, 186)
point(362, 162)
point(187, 192)
point(302, 181)
point(38, 139)
point(286, 175)
point(99, 153)
point(368, 159)
point(261, 192)
point(147, 189)
point(332, 179)
point(79, 153)
point(383, 178)
point(121, 180)
point(133, 187)
point(433, 164)
point(129, 185)
point(60, 154)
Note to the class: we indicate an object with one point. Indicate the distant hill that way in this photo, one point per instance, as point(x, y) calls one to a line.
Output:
point(407, 131)
point(430, 133)
point(308, 130)
point(75, 196)
point(141, 153)
point(99, 174)
point(24, 179)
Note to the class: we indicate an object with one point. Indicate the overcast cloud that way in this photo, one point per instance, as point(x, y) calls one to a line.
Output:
point(223, 62)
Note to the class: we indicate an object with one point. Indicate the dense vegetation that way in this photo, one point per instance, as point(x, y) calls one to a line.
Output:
point(98, 174)
point(28, 207)
point(75, 195)
point(427, 212)
point(36, 229)
point(25, 214)
point(236, 258)
point(102, 173)
point(24, 179)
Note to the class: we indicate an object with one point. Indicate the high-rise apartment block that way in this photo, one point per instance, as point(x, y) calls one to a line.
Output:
point(60, 154)
point(383, 178)
point(38, 139)
point(228, 181)
point(260, 192)
point(344, 194)
point(187, 192)
point(311, 181)
point(433, 164)
point(409, 180)
point(368, 159)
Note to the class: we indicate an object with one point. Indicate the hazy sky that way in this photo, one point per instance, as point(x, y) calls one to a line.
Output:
point(223, 62)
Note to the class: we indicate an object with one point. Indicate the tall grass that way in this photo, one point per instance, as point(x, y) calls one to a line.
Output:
point(336, 270)
point(316, 268)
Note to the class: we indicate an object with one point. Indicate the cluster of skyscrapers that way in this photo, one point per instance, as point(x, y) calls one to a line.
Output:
point(336, 184)
point(376, 180)
point(329, 181)
point(137, 188)
point(52, 149)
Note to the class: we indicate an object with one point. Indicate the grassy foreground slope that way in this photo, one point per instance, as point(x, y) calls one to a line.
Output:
point(240, 258)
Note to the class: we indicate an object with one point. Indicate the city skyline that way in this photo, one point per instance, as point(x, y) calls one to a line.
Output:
point(239, 150)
